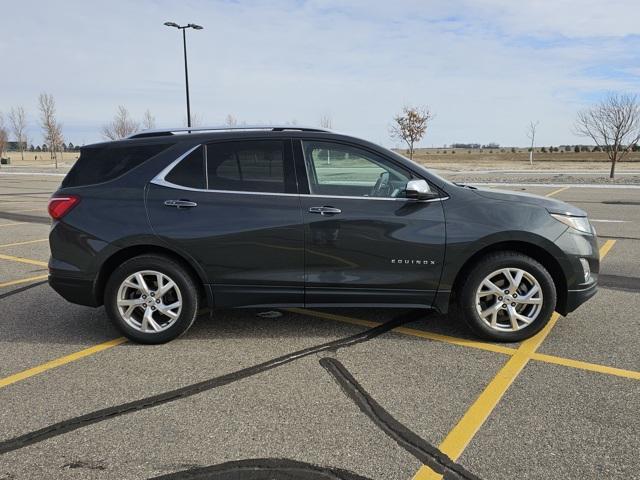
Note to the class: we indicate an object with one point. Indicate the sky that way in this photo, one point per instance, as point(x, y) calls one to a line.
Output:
point(485, 68)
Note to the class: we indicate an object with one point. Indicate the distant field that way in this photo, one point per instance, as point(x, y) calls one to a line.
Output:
point(41, 159)
point(460, 160)
point(508, 156)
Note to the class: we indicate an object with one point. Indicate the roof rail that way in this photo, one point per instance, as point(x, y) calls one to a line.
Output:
point(172, 131)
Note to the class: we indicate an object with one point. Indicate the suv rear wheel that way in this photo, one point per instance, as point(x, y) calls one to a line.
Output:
point(507, 296)
point(151, 299)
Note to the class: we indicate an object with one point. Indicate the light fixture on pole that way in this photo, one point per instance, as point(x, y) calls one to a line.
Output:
point(186, 69)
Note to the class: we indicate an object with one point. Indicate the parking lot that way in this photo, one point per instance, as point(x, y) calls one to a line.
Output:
point(340, 394)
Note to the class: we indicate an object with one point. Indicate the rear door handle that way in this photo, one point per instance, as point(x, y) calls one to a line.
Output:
point(180, 203)
point(325, 210)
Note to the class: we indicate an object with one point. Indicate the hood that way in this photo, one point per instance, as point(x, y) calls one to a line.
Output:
point(552, 205)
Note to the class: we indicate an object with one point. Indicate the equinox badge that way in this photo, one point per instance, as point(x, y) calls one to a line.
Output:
point(407, 261)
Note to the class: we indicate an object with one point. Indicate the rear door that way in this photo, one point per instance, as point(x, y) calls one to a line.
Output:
point(365, 242)
point(233, 207)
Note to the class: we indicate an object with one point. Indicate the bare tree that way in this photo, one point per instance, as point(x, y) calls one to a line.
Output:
point(531, 133)
point(325, 122)
point(230, 120)
point(411, 125)
point(196, 120)
point(613, 124)
point(51, 128)
point(148, 120)
point(121, 126)
point(18, 121)
point(3, 135)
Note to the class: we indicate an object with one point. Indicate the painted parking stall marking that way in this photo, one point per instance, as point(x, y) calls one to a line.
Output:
point(458, 439)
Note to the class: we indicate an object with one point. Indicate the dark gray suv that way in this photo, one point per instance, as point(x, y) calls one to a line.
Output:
point(158, 225)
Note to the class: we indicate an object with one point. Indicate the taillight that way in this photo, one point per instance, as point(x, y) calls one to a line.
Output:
point(60, 206)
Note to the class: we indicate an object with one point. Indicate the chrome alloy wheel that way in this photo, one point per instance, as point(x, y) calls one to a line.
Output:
point(149, 301)
point(509, 299)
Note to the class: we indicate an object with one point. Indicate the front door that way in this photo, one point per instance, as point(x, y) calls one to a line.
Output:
point(233, 208)
point(365, 242)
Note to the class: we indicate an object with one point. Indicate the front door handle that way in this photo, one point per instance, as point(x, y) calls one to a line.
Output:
point(325, 210)
point(180, 203)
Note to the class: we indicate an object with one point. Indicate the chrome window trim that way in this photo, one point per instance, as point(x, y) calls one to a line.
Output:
point(206, 166)
point(160, 180)
point(439, 199)
point(165, 171)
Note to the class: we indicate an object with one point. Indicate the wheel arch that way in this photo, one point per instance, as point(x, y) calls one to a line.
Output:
point(126, 253)
point(533, 250)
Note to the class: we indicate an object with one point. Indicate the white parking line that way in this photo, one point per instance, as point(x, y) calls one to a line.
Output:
point(572, 185)
point(46, 174)
point(536, 172)
point(607, 221)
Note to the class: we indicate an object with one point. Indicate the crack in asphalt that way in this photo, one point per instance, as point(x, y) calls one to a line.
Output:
point(25, 218)
point(22, 289)
point(619, 282)
point(418, 447)
point(85, 420)
point(263, 469)
point(25, 194)
point(618, 238)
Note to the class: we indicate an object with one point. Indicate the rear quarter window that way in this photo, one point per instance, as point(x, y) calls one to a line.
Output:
point(101, 164)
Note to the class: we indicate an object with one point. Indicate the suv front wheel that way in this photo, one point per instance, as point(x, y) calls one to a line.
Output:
point(151, 299)
point(507, 296)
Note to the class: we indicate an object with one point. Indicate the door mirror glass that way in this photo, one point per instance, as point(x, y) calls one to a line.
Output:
point(419, 189)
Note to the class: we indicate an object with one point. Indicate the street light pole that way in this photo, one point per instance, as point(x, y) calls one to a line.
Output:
point(186, 68)
point(186, 75)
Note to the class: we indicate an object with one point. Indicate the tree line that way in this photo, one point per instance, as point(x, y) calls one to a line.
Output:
point(613, 124)
point(16, 123)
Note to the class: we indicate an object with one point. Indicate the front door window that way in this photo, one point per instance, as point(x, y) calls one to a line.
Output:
point(343, 170)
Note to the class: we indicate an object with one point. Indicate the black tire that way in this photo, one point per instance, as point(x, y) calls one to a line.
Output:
point(184, 282)
point(466, 295)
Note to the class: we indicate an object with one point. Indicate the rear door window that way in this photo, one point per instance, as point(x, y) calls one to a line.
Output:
point(250, 166)
point(190, 171)
point(104, 163)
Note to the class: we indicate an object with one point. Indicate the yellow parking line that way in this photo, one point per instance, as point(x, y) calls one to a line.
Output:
point(460, 436)
point(24, 243)
point(60, 361)
point(463, 342)
point(556, 191)
point(23, 260)
point(604, 249)
point(592, 367)
point(409, 331)
point(541, 357)
point(23, 280)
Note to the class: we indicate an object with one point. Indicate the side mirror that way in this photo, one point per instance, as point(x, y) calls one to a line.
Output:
point(419, 189)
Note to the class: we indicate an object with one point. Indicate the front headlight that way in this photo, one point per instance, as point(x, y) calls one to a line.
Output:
point(579, 223)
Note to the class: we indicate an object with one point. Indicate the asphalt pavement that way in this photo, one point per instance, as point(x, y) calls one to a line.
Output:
point(317, 394)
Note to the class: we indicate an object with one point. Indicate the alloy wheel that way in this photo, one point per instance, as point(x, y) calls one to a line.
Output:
point(149, 301)
point(509, 299)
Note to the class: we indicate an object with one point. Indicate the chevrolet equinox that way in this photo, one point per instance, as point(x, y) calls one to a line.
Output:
point(164, 223)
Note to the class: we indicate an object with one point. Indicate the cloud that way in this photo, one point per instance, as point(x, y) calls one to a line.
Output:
point(485, 67)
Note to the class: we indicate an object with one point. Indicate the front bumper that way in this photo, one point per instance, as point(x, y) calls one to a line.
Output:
point(575, 298)
point(580, 284)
